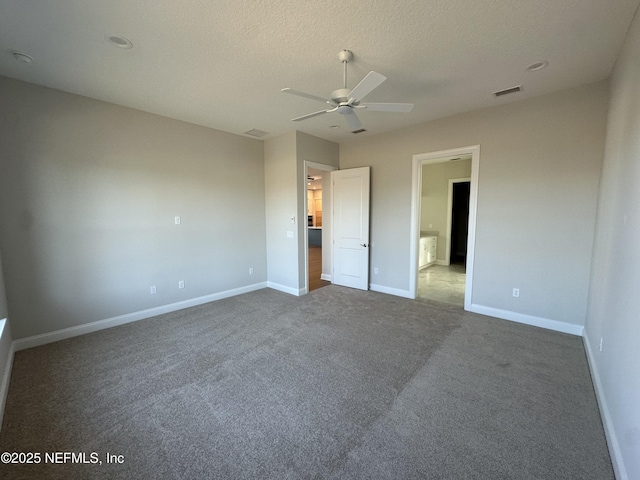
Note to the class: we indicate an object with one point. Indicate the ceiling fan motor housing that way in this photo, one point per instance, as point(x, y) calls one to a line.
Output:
point(341, 95)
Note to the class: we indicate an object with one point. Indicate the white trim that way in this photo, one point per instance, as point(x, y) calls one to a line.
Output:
point(290, 290)
point(617, 460)
point(77, 330)
point(319, 166)
point(6, 374)
point(556, 325)
point(390, 291)
point(447, 255)
point(416, 186)
point(444, 263)
point(325, 276)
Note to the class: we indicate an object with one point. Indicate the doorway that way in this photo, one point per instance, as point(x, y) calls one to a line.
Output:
point(460, 190)
point(317, 238)
point(454, 243)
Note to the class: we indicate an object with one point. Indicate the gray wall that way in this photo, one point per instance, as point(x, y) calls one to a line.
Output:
point(316, 150)
point(4, 310)
point(6, 353)
point(286, 189)
point(88, 195)
point(614, 300)
point(281, 204)
point(435, 198)
point(540, 165)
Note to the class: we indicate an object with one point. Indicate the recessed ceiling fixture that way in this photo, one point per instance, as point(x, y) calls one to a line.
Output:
point(534, 67)
point(23, 57)
point(119, 41)
point(334, 126)
point(254, 132)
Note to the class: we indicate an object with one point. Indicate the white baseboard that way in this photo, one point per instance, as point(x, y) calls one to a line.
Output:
point(290, 290)
point(436, 262)
point(612, 441)
point(541, 322)
point(391, 291)
point(8, 365)
point(325, 276)
point(65, 333)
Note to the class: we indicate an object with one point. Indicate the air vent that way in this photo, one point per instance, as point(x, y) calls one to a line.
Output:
point(507, 91)
point(256, 133)
point(359, 130)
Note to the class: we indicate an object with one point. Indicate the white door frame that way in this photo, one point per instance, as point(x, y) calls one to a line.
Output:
point(447, 259)
point(416, 193)
point(303, 220)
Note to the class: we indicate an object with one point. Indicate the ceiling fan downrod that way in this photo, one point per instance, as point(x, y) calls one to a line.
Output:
point(345, 56)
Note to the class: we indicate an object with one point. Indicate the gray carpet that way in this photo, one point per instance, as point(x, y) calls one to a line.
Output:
point(338, 384)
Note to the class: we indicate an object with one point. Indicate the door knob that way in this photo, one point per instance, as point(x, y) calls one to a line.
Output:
point(363, 245)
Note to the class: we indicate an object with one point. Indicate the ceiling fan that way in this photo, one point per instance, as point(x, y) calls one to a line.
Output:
point(346, 101)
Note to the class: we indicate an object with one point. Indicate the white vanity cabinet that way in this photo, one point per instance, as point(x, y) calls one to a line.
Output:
point(428, 246)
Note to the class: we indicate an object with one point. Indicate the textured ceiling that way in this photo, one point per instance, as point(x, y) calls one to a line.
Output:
point(222, 63)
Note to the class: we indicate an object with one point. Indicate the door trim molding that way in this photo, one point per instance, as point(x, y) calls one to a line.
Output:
point(416, 189)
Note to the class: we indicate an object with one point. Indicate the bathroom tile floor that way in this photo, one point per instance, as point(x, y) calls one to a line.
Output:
point(442, 283)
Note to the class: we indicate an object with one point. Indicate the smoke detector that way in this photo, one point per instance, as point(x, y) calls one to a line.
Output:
point(22, 57)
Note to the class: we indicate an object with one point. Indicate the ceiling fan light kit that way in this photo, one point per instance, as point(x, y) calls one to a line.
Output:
point(345, 101)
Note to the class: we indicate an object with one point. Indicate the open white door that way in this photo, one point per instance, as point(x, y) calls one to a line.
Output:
point(351, 227)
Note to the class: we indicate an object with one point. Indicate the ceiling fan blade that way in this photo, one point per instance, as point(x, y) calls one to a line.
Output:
point(306, 95)
point(366, 86)
point(309, 115)
point(388, 107)
point(353, 120)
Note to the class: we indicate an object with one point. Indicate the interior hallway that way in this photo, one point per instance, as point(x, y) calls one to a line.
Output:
point(443, 283)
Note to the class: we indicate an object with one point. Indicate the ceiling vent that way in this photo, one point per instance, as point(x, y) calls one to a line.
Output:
point(507, 91)
point(360, 130)
point(256, 133)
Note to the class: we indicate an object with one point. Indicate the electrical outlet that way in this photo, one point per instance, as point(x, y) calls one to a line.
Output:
point(153, 290)
point(375, 270)
point(250, 270)
point(178, 220)
point(181, 284)
point(516, 292)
